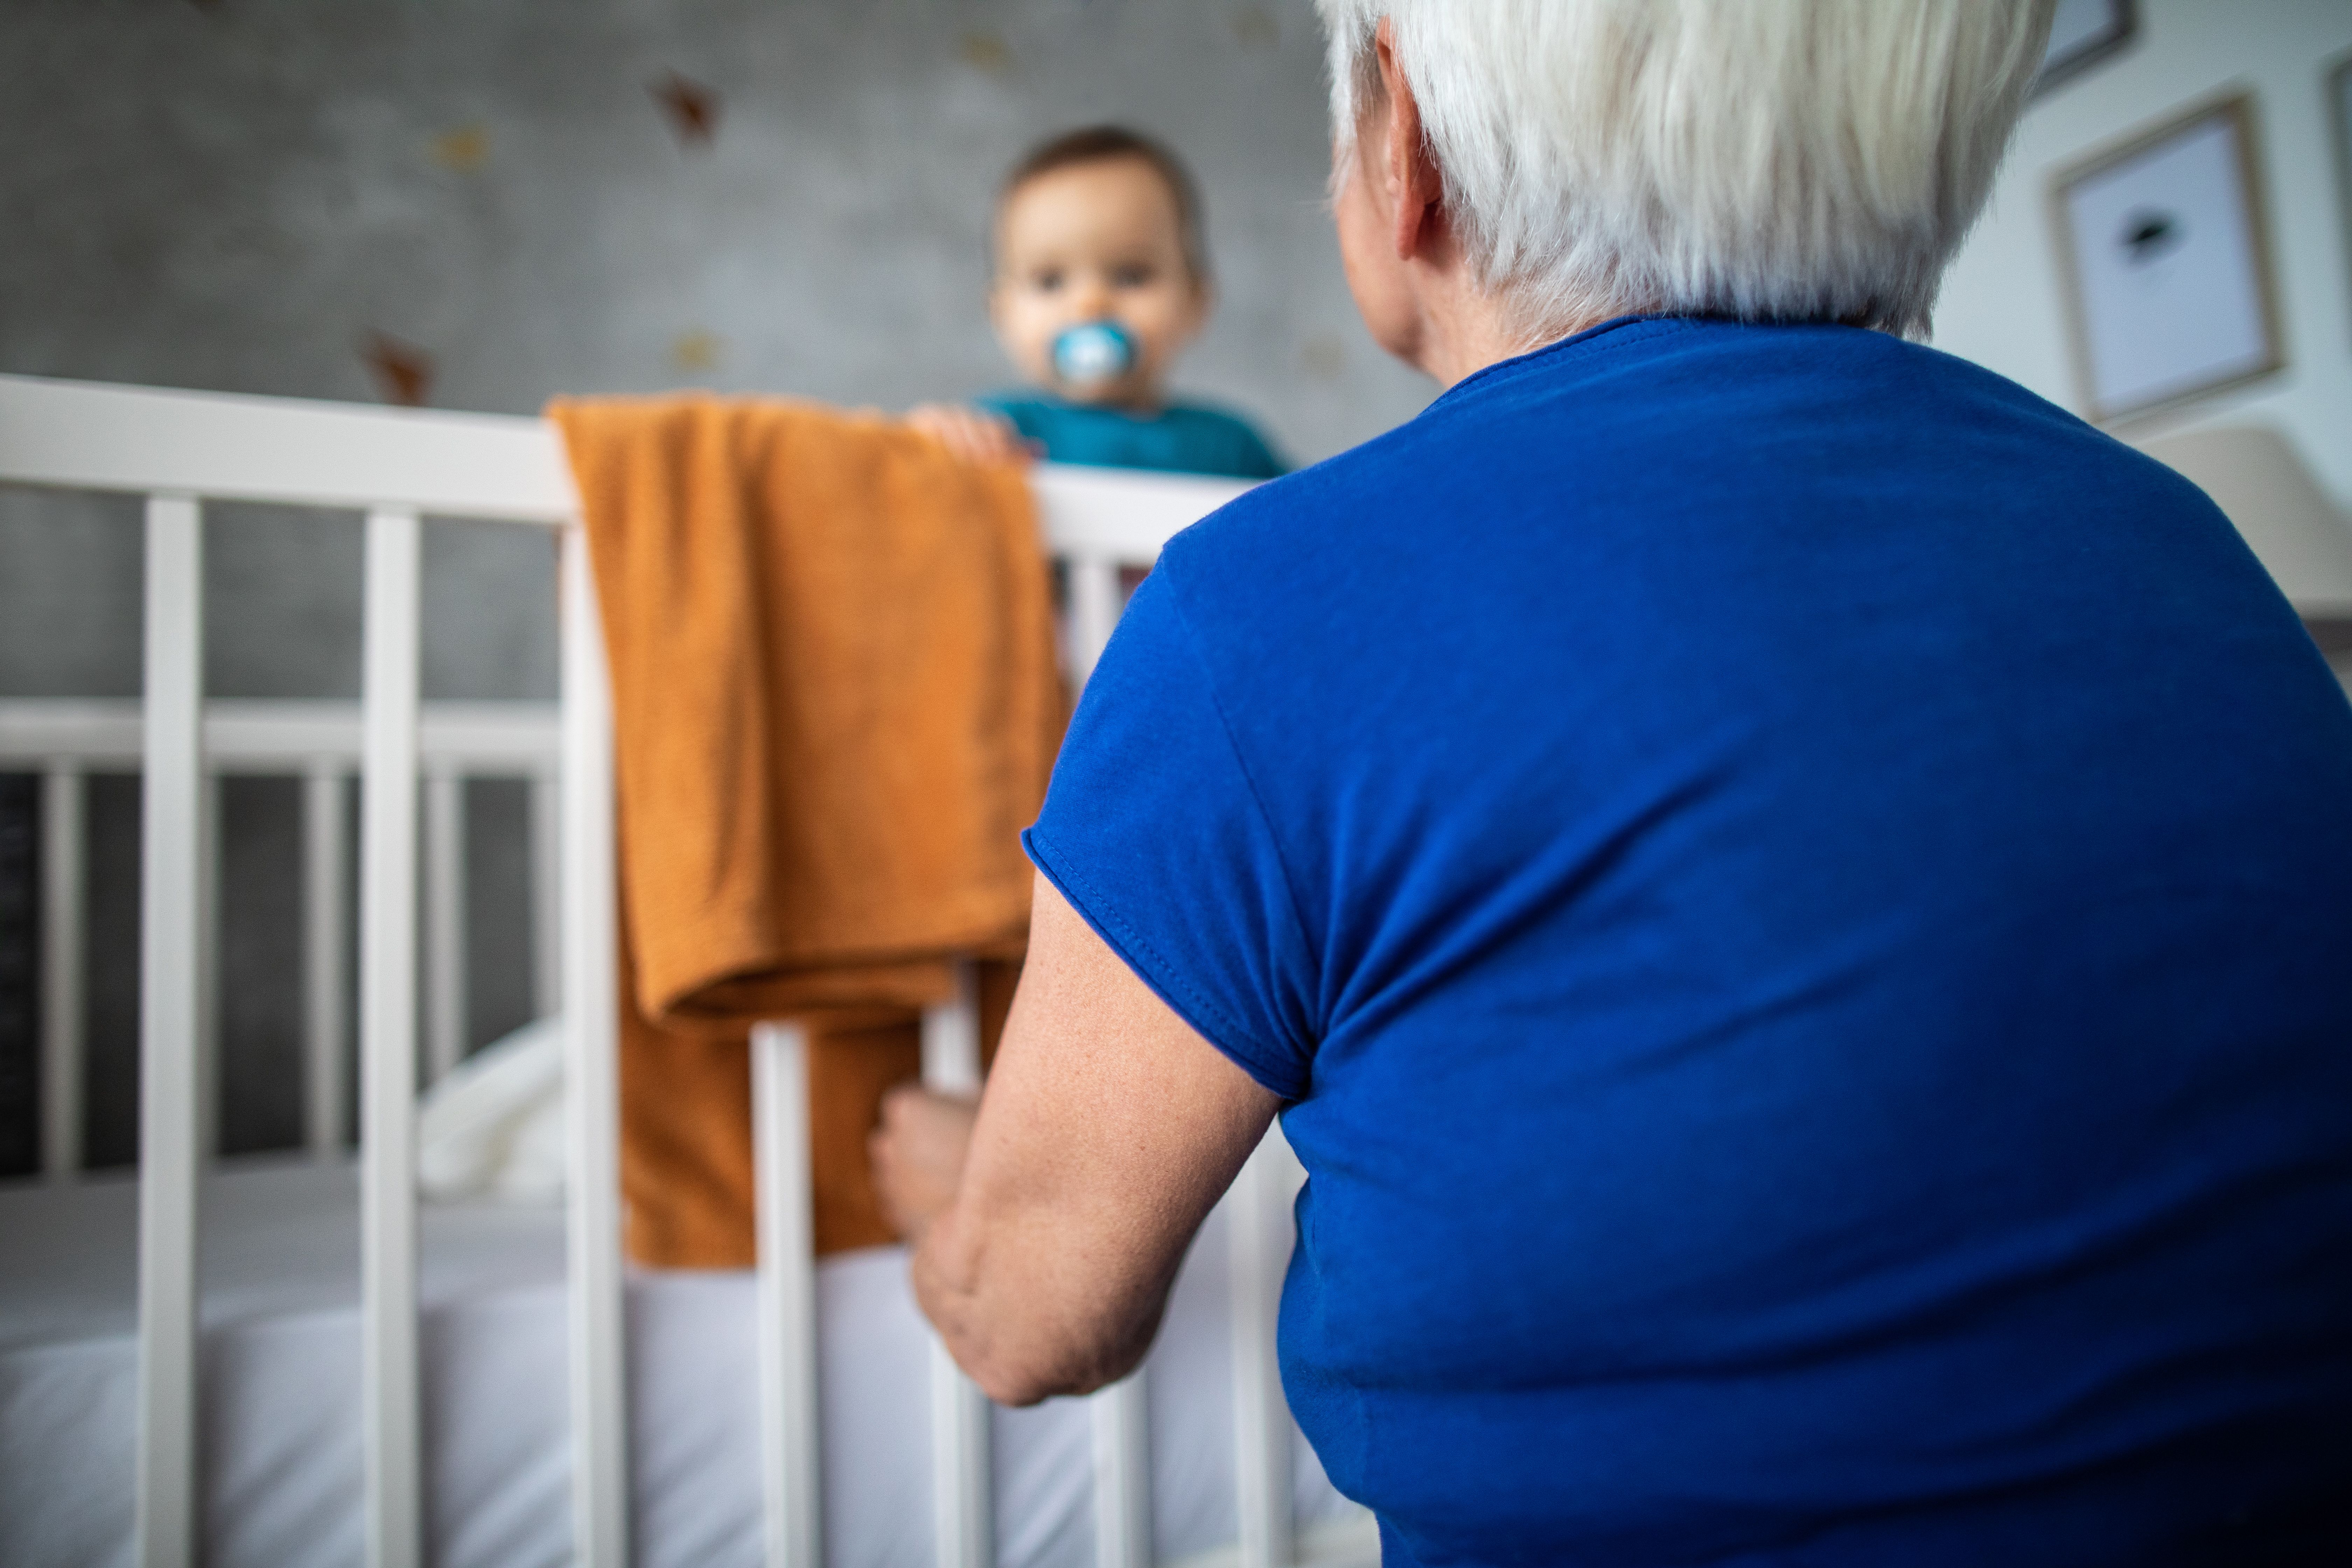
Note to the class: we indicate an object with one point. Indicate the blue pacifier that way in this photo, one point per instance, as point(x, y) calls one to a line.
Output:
point(1093, 353)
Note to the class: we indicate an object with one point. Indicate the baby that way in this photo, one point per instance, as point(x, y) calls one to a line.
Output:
point(1100, 280)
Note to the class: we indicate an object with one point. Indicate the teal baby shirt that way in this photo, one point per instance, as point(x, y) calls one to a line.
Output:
point(1183, 438)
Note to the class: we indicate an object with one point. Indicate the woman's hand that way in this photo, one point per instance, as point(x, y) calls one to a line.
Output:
point(917, 1154)
point(1049, 1223)
point(974, 435)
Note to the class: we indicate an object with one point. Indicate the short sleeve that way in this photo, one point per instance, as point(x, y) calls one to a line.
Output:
point(1154, 833)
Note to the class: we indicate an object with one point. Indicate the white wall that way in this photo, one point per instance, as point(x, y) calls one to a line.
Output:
point(2002, 304)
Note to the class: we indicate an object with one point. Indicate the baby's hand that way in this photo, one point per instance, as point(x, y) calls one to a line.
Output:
point(974, 435)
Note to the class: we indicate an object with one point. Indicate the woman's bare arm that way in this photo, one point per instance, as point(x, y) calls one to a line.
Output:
point(1045, 1247)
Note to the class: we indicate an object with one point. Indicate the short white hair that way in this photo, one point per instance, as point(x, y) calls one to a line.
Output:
point(1763, 160)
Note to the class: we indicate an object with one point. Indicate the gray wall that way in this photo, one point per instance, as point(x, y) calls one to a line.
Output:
point(234, 196)
point(240, 195)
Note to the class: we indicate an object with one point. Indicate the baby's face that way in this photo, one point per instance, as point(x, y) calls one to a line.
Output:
point(1094, 242)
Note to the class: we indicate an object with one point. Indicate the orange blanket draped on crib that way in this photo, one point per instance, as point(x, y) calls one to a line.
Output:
point(835, 705)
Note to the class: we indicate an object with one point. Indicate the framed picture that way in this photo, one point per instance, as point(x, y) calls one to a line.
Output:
point(2084, 33)
point(2164, 256)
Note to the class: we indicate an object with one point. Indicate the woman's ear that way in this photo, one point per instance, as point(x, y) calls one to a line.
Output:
point(1412, 175)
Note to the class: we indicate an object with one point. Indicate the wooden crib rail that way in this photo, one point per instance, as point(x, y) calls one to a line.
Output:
point(88, 436)
point(76, 434)
point(178, 449)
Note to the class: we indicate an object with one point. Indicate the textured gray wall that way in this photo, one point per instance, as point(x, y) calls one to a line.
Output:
point(234, 196)
point(241, 194)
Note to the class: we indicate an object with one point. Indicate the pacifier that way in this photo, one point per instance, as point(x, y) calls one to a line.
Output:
point(1092, 353)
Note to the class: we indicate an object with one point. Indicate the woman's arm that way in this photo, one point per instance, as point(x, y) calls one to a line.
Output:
point(1044, 1249)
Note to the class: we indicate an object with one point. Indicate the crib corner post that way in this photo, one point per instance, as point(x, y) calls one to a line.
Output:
point(590, 950)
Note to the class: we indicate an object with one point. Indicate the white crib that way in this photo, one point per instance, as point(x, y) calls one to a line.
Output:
point(181, 449)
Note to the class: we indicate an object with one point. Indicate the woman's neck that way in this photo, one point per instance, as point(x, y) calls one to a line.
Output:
point(1465, 330)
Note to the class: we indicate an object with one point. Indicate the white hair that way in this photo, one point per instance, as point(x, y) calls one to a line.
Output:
point(1764, 160)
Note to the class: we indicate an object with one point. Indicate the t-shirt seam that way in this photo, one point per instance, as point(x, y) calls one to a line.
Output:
point(1249, 779)
point(1164, 971)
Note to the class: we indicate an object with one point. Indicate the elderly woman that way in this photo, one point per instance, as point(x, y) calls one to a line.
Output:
point(1794, 900)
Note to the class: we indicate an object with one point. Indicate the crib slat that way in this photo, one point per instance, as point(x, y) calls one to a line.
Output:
point(962, 1516)
point(209, 958)
point(323, 826)
point(388, 1044)
point(1260, 1240)
point(1094, 611)
point(444, 921)
point(1120, 1417)
point(170, 996)
point(790, 1480)
point(546, 894)
point(64, 889)
point(590, 934)
point(951, 1038)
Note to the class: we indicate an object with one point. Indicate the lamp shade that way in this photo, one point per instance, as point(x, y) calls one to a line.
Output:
point(2256, 476)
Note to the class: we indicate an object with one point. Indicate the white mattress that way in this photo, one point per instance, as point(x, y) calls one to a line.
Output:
point(280, 1422)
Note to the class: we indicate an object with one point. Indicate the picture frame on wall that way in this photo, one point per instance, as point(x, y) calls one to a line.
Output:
point(2084, 33)
point(2165, 264)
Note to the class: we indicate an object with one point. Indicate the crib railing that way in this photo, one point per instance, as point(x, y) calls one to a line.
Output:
point(65, 742)
point(391, 467)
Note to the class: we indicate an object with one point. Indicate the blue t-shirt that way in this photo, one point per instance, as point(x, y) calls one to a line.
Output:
point(1800, 898)
point(1183, 438)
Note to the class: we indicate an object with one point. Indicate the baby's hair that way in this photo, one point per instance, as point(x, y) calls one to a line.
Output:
point(1103, 143)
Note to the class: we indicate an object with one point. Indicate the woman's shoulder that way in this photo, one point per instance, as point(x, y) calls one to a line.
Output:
point(1277, 540)
point(1664, 446)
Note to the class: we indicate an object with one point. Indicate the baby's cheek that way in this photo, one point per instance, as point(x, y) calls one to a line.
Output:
point(1153, 316)
point(1029, 333)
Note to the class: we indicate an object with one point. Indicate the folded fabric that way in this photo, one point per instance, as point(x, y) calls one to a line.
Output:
point(493, 1126)
point(836, 704)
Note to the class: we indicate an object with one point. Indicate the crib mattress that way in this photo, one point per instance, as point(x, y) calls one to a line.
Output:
point(280, 1406)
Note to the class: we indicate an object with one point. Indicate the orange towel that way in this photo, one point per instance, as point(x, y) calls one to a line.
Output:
point(835, 705)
